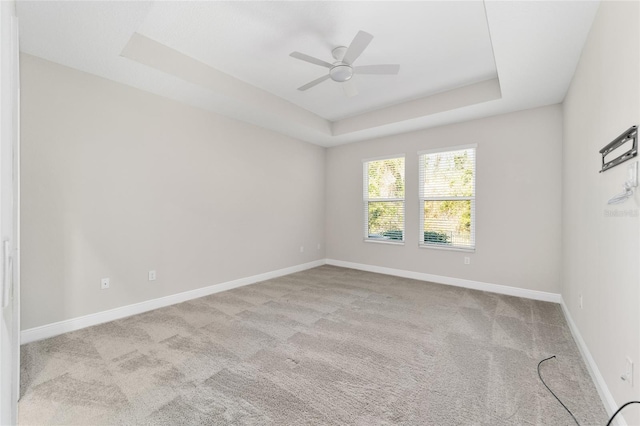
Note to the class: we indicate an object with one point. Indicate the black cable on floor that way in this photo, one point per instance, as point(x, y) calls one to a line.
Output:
point(556, 397)
point(620, 409)
point(565, 407)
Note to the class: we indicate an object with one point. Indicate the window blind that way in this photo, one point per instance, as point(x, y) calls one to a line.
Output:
point(383, 199)
point(447, 198)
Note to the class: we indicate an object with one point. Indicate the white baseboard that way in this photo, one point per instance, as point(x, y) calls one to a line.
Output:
point(601, 386)
point(458, 282)
point(56, 328)
point(596, 376)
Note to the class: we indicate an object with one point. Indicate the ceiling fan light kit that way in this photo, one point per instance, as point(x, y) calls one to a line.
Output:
point(342, 70)
point(341, 73)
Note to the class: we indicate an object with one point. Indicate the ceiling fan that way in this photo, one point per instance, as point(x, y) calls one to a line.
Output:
point(342, 70)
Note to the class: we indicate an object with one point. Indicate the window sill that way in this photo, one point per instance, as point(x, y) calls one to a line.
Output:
point(383, 241)
point(439, 247)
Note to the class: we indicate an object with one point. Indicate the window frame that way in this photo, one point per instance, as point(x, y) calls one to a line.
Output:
point(366, 200)
point(422, 199)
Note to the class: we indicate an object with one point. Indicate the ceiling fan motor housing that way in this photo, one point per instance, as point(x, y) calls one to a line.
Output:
point(338, 53)
point(341, 71)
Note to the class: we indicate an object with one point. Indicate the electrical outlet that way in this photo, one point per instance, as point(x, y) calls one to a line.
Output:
point(301, 249)
point(318, 246)
point(632, 174)
point(580, 302)
point(627, 376)
point(104, 283)
point(467, 260)
point(152, 275)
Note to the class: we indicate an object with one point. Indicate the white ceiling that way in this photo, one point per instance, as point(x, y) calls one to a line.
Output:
point(252, 41)
point(459, 60)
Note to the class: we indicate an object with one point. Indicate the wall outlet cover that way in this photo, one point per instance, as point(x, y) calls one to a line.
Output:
point(629, 371)
point(633, 174)
point(580, 300)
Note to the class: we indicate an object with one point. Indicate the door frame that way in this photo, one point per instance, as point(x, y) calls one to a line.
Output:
point(9, 212)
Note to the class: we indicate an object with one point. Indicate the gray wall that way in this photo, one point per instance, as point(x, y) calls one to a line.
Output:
point(518, 201)
point(116, 182)
point(600, 250)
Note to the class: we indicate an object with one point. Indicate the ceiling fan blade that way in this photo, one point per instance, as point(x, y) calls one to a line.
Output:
point(377, 69)
point(357, 46)
point(350, 88)
point(310, 59)
point(313, 83)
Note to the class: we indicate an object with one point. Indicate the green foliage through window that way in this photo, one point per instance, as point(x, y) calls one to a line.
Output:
point(436, 237)
point(429, 236)
point(447, 194)
point(384, 198)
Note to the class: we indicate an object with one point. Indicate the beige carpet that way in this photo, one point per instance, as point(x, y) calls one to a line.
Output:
point(325, 346)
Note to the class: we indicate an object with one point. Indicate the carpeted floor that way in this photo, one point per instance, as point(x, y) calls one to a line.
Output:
point(324, 346)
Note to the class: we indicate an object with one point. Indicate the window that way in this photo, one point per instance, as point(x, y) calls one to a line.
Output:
point(384, 199)
point(447, 198)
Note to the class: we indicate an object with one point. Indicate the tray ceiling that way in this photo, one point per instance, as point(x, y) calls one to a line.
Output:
point(458, 60)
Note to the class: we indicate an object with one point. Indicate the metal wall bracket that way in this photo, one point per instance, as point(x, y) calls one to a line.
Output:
point(630, 135)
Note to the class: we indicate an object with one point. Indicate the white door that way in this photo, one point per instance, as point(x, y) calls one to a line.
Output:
point(9, 205)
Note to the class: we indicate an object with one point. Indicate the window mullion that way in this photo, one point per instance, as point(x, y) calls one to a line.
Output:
point(446, 198)
point(381, 200)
